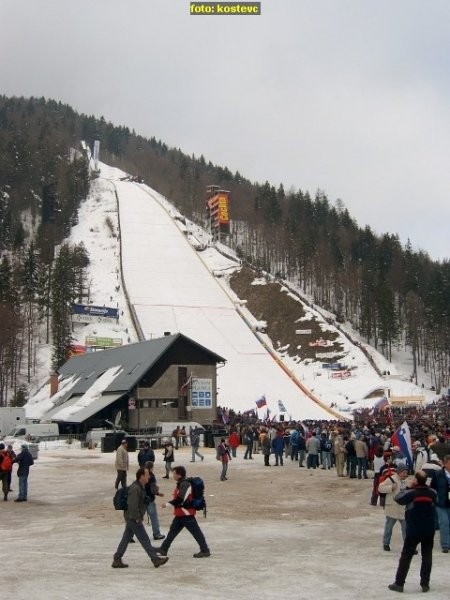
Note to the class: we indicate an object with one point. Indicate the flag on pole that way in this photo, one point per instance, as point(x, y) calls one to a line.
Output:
point(186, 385)
point(381, 404)
point(261, 402)
point(402, 439)
point(281, 407)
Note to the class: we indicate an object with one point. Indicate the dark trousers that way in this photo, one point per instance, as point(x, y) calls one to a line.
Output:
point(133, 528)
point(121, 478)
point(409, 547)
point(312, 461)
point(248, 451)
point(351, 467)
point(192, 526)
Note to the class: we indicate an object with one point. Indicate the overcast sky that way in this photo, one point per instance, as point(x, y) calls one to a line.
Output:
point(349, 96)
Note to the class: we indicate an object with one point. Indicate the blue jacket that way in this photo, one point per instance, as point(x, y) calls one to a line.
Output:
point(442, 486)
point(294, 438)
point(145, 455)
point(278, 444)
point(25, 461)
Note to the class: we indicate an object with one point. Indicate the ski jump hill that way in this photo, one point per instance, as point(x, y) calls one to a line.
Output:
point(170, 289)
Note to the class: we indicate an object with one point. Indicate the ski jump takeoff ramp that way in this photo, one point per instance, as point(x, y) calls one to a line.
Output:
point(172, 290)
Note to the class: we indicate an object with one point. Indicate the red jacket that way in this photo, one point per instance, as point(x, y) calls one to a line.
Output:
point(234, 440)
point(182, 495)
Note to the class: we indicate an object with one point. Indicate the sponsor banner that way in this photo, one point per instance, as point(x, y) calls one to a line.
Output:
point(95, 311)
point(201, 393)
point(103, 342)
point(341, 374)
point(321, 343)
point(89, 319)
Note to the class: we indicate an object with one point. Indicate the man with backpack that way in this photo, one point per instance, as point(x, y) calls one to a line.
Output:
point(184, 515)
point(134, 526)
point(5, 470)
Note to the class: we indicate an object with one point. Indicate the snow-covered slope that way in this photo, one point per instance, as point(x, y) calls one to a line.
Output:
point(171, 287)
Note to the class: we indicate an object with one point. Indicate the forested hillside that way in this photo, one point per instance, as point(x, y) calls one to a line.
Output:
point(390, 293)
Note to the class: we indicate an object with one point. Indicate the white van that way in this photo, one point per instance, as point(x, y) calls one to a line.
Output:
point(36, 431)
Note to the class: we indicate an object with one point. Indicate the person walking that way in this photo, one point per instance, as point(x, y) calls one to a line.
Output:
point(195, 443)
point(134, 526)
point(25, 461)
point(223, 454)
point(168, 457)
point(152, 490)
point(441, 483)
point(184, 515)
point(122, 463)
point(420, 502)
point(391, 486)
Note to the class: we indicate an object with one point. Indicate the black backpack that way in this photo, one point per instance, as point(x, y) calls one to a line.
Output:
point(198, 494)
point(120, 499)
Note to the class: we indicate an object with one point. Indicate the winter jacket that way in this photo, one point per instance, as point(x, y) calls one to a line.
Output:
point(313, 445)
point(224, 452)
point(122, 459)
point(136, 502)
point(420, 457)
point(265, 443)
point(361, 449)
point(25, 461)
point(391, 486)
point(145, 455)
point(420, 514)
point(169, 454)
point(151, 488)
point(182, 497)
point(294, 438)
point(234, 440)
point(5, 461)
point(441, 484)
point(278, 444)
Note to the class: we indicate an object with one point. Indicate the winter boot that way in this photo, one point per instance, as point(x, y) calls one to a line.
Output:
point(118, 564)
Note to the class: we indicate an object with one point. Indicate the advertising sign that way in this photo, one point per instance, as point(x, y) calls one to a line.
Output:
point(84, 313)
point(223, 209)
point(103, 342)
point(201, 393)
